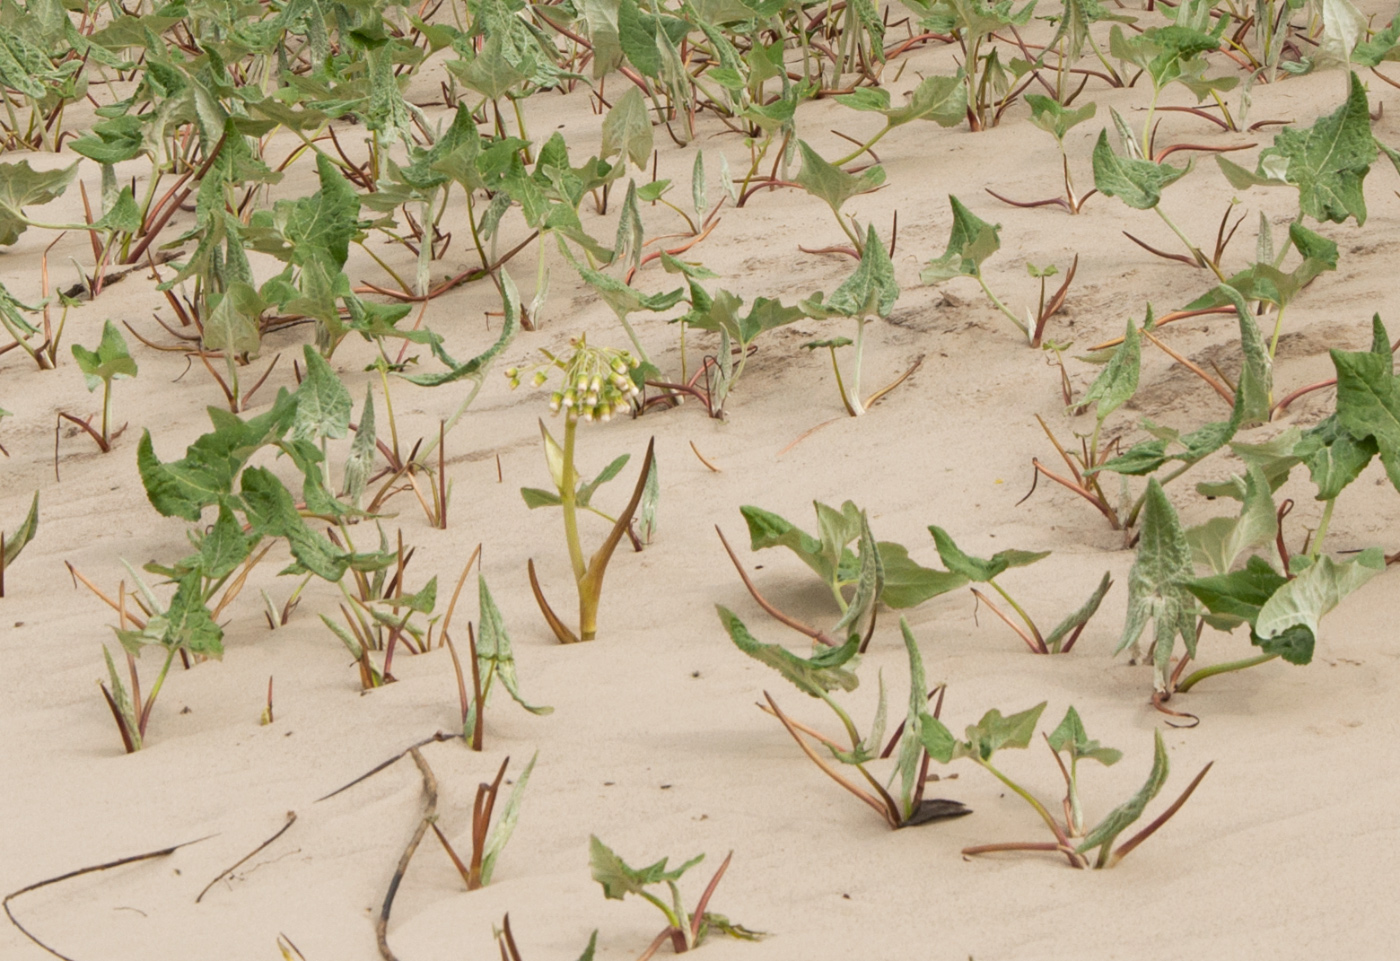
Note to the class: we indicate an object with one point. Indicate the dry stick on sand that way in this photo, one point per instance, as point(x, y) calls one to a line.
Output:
point(78, 873)
point(439, 736)
point(291, 819)
point(381, 927)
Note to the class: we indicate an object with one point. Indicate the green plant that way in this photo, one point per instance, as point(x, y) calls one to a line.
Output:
point(995, 732)
point(684, 929)
point(596, 385)
point(10, 546)
point(101, 366)
point(183, 627)
point(868, 293)
point(971, 241)
point(1057, 120)
point(1062, 639)
point(989, 89)
point(833, 668)
point(895, 580)
point(487, 841)
point(492, 658)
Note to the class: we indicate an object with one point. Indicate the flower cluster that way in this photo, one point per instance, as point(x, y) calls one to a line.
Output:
point(597, 381)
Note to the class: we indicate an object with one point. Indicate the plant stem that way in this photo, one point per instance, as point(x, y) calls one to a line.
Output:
point(1002, 307)
point(1196, 677)
point(568, 490)
point(864, 147)
point(1194, 250)
point(1017, 607)
point(1026, 795)
point(1322, 529)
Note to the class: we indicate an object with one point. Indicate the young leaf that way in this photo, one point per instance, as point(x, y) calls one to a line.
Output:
point(1333, 457)
point(832, 184)
point(971, 241)
point(910, 741)
point(975, 568)
point(505, 823)
point(361, 460)
point(1219, 542)
point(1157, 584)
point(224, 547)
point(1071, 738)
point(1125, 814)
point(823, 672)
point(493, 653)
point(767, 529)
point(869, 292)
point(995, 732)
point(1048, 114)
point(869, 584)
point(1118, 381)
point(1080, 617)
point(619, 880)
point(23, 534)
point(1138, 183)
point(108, 362)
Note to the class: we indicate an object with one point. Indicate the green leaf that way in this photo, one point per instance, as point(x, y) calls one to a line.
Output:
point(975, 568)
point(23, 534)
point(271, 510)
point(1048, 114)
point(627, 130)
point(869, 292)
point(815, 676)
point(1368, 404)
point(22, 186)
point(908, 583)
point(1157, 584)
point(489, 73)
point(1333, 457)
point(190, 625)
point(233, 324)
point(319, 226)
point(1138, 183)
point(1118, 381)
point(493, 652)
point(1080, 617)
point(224, 547)
point(826, 556)
point(1129, 811)
point(619, 880)
point(505, 824)
point(475, 369)
point(994, 732)
point(971, 241)
point(108, 362)
point(911, 739)
point(1071, 738)
point(323, 403)
point(1327, 162)
point(1254, 392)
point(1237, 597)
point(870, 582)
point(360, 463)
point(1303, 601)
point(830, 183)
point(722, 314)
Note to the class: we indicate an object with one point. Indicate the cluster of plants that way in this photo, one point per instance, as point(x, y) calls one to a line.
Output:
point(207, 108)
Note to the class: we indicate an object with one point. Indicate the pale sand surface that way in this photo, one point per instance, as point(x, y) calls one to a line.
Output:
point(1288, 850)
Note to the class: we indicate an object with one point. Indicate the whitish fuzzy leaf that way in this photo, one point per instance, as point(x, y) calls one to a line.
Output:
point(651, 499)
point(1368, 404)
point(1080, 617)
point(910, 741)
point(1301, 602)
point(360, 463)
point(1118, 381)
point(1157, 584)
point(493, 652)
point(869, 292)
point(869, 583)
point(1219, 542)
point(475, 369)
point(995, 732)
point(1049, 115)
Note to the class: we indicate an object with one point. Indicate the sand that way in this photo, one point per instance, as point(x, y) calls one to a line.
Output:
point(1287, 850)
